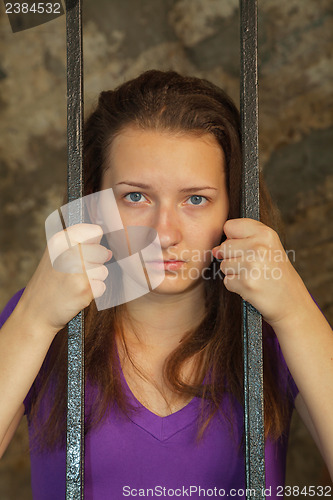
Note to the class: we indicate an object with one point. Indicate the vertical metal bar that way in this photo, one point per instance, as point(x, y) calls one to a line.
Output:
point(75, 385)
point(252, 321)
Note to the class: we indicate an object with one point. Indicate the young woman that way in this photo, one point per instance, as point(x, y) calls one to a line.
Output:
point(164, 371)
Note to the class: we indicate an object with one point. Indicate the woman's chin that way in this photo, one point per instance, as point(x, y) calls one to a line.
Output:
point(171, 285)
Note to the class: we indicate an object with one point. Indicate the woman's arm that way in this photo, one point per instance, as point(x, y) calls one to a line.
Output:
point(258, 269)
point(24, 342)
point(11, 430)
point(50, 300)
point(305, 416)
point(306, 341)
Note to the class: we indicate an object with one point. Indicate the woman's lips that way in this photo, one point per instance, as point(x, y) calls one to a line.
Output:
point(167, 265)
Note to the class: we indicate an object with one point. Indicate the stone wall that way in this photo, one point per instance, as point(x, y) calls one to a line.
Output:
point(197, 37)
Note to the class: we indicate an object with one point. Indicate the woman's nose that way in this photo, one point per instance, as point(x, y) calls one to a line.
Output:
point(168, 227)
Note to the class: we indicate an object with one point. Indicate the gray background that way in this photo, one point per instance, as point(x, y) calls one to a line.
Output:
point(195, 37)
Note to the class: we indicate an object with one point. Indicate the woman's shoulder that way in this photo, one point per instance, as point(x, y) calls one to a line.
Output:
point(10, 306)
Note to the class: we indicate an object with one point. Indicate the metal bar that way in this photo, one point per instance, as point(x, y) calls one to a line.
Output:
point(75, 384)
point(252, 321)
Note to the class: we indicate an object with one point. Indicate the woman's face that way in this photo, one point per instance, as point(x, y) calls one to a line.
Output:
point(175, 184)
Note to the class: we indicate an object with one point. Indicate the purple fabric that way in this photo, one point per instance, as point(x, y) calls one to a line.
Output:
point(126, 456)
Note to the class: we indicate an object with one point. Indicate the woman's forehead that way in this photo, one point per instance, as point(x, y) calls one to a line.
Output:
point(154, 153)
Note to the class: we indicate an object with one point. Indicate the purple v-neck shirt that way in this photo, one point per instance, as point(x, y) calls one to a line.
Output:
point(151, 456)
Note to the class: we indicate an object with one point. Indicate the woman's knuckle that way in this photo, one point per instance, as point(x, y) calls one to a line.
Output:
point(260, 248)
point(268, 234)
point(98, 288)
point(252, 284)
point(105, 272)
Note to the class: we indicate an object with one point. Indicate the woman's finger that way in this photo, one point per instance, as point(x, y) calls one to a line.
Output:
point(97, 287)
point(80, 233)
point(81, 258)
point(231, 266)
point(95, 254)
point(98, 273)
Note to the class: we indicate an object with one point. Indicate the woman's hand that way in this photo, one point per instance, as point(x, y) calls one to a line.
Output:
point(257, 267)
point(67, 277)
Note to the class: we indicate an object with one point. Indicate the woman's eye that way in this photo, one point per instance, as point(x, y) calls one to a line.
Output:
point(137, 198)
point(134, 197)
point(196, 199)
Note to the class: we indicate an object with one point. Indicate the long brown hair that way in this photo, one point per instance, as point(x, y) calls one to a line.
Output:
point(166, 101)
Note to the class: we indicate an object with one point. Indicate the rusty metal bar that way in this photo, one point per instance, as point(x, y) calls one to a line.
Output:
point(252, 321)
point(75, 384)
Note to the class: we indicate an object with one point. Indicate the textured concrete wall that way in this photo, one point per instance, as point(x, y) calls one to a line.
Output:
point(199, 37)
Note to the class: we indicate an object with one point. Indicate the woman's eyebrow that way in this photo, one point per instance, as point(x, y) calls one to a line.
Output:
point(183, 190)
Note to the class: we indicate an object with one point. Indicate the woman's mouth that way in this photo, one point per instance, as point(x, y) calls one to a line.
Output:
point(167, 265)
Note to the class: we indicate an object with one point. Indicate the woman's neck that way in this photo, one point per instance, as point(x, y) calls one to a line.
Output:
point(160, 320)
